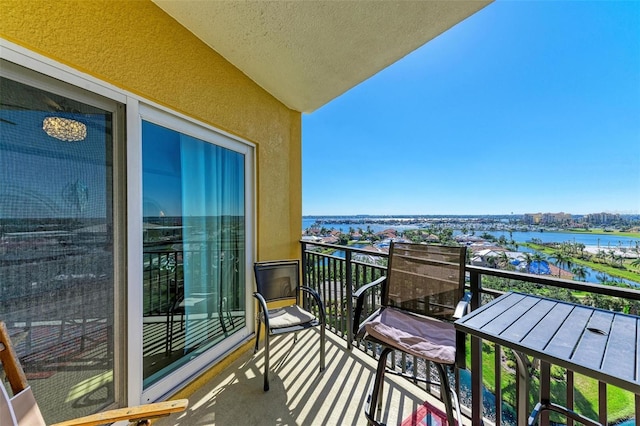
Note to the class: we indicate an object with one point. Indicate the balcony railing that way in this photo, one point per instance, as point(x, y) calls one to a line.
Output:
point(336, 272)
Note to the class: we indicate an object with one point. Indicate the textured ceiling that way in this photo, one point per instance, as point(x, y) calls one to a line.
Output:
point(306, 53)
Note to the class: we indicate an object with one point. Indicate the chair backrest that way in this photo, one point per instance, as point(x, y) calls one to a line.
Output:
point(278, 280)
point(425, 279)
point(21, 409)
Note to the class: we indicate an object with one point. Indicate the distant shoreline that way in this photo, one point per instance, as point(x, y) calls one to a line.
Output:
point(503, 222)
point(600, 231)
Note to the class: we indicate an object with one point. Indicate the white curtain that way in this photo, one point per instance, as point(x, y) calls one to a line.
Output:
point(213, 211)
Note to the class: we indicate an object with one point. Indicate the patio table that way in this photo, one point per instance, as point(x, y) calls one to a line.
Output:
point(590, 341)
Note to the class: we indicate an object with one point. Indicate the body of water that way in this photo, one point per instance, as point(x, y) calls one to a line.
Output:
point(604, 241)
point(599, 241)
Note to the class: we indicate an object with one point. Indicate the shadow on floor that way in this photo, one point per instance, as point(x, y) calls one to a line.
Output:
point(299, 394)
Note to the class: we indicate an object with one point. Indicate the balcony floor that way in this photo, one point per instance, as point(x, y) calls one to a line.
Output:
point(299, 394)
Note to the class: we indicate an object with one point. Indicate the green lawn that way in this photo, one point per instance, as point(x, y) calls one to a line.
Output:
point(601, 231)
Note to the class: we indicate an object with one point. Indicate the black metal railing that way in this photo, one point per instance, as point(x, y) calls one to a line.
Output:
point(163, 278)
point(336, 272)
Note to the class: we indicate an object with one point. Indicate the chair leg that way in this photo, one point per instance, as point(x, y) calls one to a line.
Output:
point(266, 362)
point(375, 398)
point(255, 349)
point(322, 348)
point(449, 396)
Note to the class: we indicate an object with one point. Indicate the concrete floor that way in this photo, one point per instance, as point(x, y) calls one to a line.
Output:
point(299, 394)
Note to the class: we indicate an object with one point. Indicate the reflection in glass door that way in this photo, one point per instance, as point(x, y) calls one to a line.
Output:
point(194, 247)
point(57, 231)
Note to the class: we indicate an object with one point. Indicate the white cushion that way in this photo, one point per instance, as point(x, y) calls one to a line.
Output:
point(423, 337)
point(289, 316)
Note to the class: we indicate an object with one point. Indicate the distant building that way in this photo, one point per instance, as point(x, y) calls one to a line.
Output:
point(532, 218)
point(601, 218)
point(556, 218)
point(547, 218)
point(388, 234)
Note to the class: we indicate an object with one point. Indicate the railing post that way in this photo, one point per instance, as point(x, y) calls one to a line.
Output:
point(349, 284)
point(303, 259)
point(602, 403)
point(476, 356)
point(305, 278)
point(476, 288)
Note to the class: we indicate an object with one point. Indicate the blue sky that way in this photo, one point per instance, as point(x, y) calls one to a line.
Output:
point(523, 107)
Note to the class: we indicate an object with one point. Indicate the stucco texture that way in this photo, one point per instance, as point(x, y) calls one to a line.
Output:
point(136, 46)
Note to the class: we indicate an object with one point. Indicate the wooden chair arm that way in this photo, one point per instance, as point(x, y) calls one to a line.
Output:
point(10, 362)
point(132, 414)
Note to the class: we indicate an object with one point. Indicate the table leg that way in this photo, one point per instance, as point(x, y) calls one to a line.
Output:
point(545, 390)
point(545, 405)
point(476, 381)
point(522, 388)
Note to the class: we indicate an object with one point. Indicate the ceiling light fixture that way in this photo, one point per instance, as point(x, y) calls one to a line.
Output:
point(64, 129)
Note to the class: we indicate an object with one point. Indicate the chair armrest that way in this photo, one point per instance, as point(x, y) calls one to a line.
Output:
point(358, 293)
point(132, 414)
point(263, 307)
point(359, 296)
point(463, 306)
point(316, 296)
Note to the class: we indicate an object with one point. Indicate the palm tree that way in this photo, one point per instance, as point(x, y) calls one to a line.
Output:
point(491, 261)
point(579, 272)
point(539, 258)
point(446, 235)
point(561, 261)
point(503, 260)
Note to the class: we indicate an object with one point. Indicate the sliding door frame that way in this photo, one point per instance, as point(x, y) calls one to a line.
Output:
point(182, 124)
point(127, 198)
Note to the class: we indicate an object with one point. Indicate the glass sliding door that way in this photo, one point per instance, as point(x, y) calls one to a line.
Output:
point(57, 251)
point(194, 237)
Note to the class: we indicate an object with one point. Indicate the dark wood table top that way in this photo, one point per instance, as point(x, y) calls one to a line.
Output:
point(594, 342)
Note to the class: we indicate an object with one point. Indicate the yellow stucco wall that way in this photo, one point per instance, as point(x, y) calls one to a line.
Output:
point(136, 46)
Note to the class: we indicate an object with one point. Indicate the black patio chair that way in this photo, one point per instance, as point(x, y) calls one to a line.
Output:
point(422, 294)
point(278, 281)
